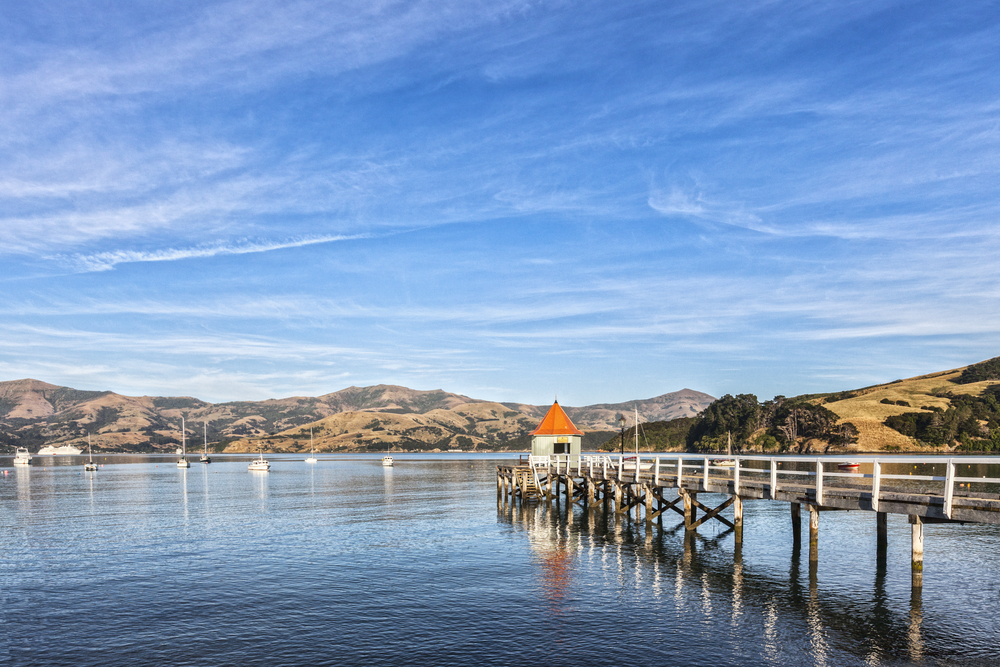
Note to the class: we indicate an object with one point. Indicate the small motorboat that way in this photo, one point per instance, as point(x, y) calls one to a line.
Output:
point(628, 463)
point(22, 457)
point(387, 461)
point(848, 466)
point(260, 464)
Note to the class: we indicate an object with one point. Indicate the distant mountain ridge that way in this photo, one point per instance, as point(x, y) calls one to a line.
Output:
point(34, 413)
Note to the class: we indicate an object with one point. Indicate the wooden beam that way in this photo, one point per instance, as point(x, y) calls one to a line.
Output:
point(714, 513)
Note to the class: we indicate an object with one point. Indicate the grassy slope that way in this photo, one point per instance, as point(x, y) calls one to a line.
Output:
point(867, 413)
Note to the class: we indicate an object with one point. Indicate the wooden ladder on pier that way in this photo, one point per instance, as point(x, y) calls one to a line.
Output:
point(527, 483)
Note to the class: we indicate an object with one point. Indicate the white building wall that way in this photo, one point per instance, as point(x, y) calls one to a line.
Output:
point(546, 445)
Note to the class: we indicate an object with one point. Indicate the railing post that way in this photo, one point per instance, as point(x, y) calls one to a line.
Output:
point(621, 466)
point(637, 468)
point(876, 483)
point(656, 472)
point(604, 465)
point(591, 466)
point(774, 479)
point(705, 483)
point(819, 483)
point(736, 476)
point(680, 470)
point(949, 489)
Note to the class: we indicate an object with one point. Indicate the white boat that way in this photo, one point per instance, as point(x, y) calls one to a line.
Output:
point(65, 450)
point(727, 462)
point(183, 463)
point(849, 466)
point(90, 466)
point(260, 464)
point(629, 462)
point(312, 452)
point(204, 457)
point(387, 460)
point(22, 457)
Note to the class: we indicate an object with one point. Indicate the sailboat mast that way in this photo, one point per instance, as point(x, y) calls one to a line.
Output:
point(183, 447)
point(636, 433)
point(206, 438)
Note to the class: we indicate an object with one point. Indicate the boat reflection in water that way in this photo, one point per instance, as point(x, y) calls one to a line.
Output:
point(696, 583)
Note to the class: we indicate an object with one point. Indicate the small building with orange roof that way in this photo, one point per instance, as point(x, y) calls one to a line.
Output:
point(556, 435)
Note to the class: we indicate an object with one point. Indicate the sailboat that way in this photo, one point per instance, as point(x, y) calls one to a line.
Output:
point(727, 462)
point(183, 463)
point(204, 457)
point(631, 461)
point(90, 466)
point(312, 452)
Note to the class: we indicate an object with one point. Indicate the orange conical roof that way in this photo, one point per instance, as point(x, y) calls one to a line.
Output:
point(556, 422)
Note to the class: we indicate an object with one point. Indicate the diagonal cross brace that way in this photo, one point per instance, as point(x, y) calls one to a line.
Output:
point(668, 505)
point(713, 513)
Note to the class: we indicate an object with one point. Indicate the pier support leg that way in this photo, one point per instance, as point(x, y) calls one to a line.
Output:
point(813, 533)
point(882, 529)
point(796, 522)
point(690, 511)
point(649, 503)
point(618, 498)
point(738, 519)
point(916, 551)
point(569, 491)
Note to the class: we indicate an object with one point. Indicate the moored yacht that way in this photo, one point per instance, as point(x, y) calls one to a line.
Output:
point(90, 466)
point(387, 461)
point(260, 464)
point(22, 457)
point(312, 451)
point(204, 457)
point(65, 450)
point(183, 463)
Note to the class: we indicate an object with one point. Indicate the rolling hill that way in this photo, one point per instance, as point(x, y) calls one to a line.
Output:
point(35, 413)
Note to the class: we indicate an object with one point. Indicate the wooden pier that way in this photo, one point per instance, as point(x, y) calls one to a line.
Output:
point(648, 487)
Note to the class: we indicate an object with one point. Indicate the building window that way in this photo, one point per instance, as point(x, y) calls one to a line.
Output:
point(559, 448)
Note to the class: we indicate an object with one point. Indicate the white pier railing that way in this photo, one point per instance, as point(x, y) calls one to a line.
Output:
point(670, 469)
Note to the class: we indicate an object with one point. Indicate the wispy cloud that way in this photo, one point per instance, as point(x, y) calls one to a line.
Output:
point(105, 261)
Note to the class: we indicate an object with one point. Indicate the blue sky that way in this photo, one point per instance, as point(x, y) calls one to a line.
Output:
point(509, 200)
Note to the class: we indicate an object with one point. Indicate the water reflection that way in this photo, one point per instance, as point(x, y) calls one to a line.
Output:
point(260, 478)
point(387, 476)
point(184, 491)
point(712, 578)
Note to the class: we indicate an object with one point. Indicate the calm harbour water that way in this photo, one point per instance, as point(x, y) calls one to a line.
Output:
point(346, 563)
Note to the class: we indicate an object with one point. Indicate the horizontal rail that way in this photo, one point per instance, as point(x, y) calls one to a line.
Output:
point(675, 467)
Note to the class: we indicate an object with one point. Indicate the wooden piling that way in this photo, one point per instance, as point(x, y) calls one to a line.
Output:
point(738, 518)
point(916, 551)
point(882, 531)
point(690, 509)
point(796, 522)
point(813, 533)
